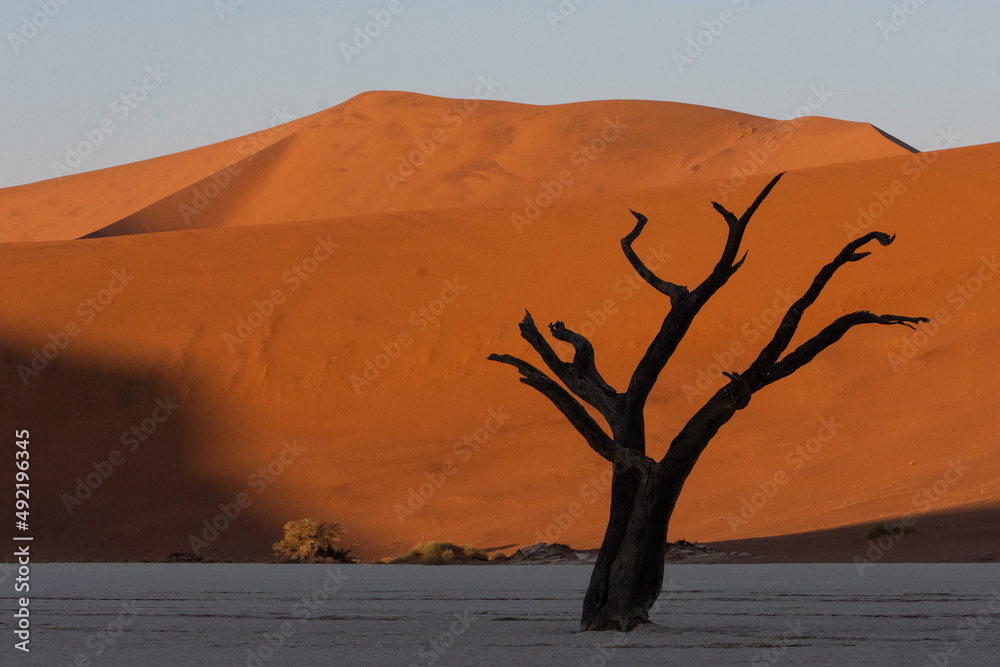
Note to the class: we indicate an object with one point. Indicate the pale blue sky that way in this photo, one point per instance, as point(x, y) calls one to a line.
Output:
point(227, 71)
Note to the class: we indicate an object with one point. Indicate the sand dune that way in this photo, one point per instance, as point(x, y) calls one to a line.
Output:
point(79, 204)
point(334, 365)
point(958, 536)
point(391, 152)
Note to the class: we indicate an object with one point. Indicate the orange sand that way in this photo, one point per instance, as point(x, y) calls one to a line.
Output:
point(444, 240)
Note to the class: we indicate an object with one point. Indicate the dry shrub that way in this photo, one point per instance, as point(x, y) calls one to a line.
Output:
point(438, 553)
point(312, 541)
point(474, 552)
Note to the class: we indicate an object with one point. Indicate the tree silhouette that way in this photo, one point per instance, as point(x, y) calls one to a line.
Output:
point(628, 574)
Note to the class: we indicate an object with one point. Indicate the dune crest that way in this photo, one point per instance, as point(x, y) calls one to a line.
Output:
point(385, 152)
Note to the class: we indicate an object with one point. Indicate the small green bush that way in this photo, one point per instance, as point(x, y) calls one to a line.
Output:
point(312, 541)
point(891, 528)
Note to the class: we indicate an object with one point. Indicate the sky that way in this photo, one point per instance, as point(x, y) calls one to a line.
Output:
point(125, 81)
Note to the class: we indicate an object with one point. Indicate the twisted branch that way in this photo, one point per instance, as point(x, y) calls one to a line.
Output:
point(580, 375)
point(578, 416)
point(677, 293)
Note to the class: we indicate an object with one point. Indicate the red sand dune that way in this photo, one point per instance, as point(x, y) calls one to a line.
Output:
point(262, 336)
point(389, 152)
point(79, 204)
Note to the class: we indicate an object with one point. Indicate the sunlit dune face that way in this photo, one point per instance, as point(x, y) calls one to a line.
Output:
point(322, 332)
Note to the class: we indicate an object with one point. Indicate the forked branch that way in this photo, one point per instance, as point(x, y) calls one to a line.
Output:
point(766, 368)
point(761, 367)
point(578, 416)
point(580, 375)
point(583, 360)
point(833, 332)
point(683, 311)
point(728, 265)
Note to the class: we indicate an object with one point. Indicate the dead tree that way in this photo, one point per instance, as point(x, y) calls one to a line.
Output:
point(628, 575)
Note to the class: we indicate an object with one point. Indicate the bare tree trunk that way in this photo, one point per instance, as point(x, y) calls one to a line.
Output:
point(624, 588)
point(629, 431)
point(624, 487)
point(628, 575)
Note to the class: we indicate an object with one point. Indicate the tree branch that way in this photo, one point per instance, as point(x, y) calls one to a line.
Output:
point(728, 265)
point(678, 320)
point(759, 369)
point(765, 369)
point(580, 375)
point(833, 332)
point(687, 446)
point(578, 416)
point(677, 293)
point(583, 361)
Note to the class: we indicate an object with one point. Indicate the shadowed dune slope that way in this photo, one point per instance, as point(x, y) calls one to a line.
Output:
point(336, 368)
point(970, 535)
point(387, 152)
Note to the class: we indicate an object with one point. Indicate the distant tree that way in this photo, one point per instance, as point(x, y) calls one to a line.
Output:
point(628, 574)
point(310, 541)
